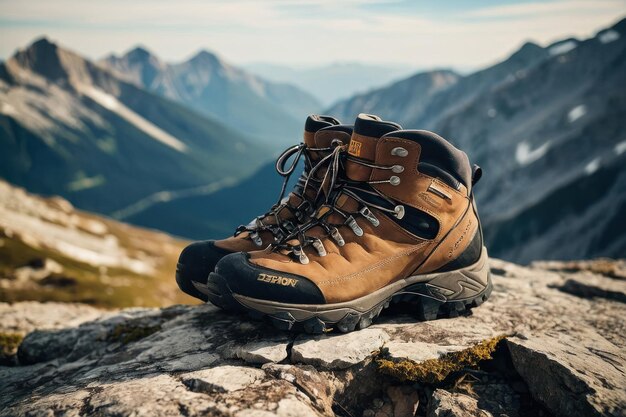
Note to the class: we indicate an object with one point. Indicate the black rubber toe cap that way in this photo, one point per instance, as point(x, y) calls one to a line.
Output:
point(197, 260)
point(251, 280)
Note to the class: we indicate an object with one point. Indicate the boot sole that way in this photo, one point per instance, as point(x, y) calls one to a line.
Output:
point(430, 296)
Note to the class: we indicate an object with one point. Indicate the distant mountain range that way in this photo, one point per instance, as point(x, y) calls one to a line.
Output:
point(548, 127)
point(145, 141)
point(211, 86)
point(330, 83)
point(69, 127)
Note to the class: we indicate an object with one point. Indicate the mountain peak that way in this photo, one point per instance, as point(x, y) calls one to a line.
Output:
point(529, 51)
point(42, 57)
point(42, 43)
point(205, 57)
point(139, 53)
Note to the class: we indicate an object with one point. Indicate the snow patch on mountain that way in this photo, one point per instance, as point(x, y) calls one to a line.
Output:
point(608, 36)
point(592, 166)
point(113, 104)
point(576, 113)
point(563, 47)
point(524, 155)
point(55, 111)
point(620, 148)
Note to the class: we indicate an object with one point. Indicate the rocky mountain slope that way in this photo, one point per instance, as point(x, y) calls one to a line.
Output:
point(211, 86)
point(50, 251)
point(549, 342)
point(70, 128)
point(547, 126)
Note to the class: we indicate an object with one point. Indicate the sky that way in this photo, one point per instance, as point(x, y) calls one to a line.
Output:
point(300, 33)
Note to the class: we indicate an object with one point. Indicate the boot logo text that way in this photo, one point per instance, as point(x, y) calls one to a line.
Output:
point(355, 148)
point(275, 279)
point(460, 239)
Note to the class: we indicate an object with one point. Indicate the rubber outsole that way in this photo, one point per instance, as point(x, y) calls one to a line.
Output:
point(423, 299)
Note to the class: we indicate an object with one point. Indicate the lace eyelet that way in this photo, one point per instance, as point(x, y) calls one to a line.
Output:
point(319, 247)
point(397, 169)
point(256, 239)
point(399, 151)
point(299, 253)
point(399, 210)
point(394, 180)
point(352, 224)
point(334, 233)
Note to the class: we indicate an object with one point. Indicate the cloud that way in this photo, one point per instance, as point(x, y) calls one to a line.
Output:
point(302, 31)
point(549, 8)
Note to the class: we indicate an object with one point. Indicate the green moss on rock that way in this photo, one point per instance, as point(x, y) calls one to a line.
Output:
point(9, 342)
point(126, 332)
point(434, 371)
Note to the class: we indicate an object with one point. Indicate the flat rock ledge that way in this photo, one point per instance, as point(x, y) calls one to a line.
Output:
point(550, 341)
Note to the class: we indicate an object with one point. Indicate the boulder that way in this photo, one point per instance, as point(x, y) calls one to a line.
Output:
point(539, 346)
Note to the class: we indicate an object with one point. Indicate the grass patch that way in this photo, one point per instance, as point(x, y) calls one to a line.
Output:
point(84, 283)
point(434, 371)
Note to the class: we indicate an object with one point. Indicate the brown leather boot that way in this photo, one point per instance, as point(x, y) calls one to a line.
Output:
point(197, 260)
point(400, 224)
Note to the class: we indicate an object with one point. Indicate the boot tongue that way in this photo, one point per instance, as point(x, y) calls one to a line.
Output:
point(329, 138)
point(314, 123)
point(368, 129)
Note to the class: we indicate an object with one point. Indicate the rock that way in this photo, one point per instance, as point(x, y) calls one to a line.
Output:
point(338, 351)
point(447, 404)
point(26, 316)
point(309, 381)
point(225, 378)
point(581, 374)
point(566, 354)
point(263, 351)
point(405, 400)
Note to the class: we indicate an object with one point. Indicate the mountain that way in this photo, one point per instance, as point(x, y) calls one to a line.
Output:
point(211, 86)
point(68, 127)
point(216, 214)
point(50, 251)
point(547, 126)
point(434, 94)
point(403, 99)
point(330, 83)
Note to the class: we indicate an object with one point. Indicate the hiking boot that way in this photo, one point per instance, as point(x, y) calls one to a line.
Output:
point(400, 225)
point(198, 259)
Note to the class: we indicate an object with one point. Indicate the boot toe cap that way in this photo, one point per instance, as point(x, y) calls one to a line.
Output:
point(245, 278)
point(198, 259)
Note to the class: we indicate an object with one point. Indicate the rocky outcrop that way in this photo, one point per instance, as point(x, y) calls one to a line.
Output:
point(535, 348)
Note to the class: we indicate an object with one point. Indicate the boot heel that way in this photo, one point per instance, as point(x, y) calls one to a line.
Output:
point(449, 294)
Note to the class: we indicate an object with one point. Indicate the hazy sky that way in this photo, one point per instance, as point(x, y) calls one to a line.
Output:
point(421, 33)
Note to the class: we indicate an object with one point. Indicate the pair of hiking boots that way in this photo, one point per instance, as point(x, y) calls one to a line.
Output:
point(379, 215)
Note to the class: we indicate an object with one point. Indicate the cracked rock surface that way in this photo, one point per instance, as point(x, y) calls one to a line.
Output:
point(563, 354)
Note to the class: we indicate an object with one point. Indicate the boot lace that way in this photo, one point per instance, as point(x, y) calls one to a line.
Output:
point(294, 243)
point(281, 227)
